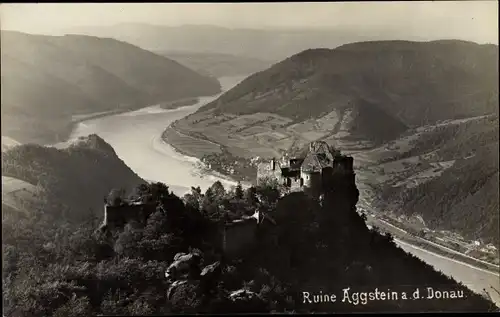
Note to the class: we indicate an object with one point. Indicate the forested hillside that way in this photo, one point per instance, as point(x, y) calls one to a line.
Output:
point(355, 96)
point(464, 198)
point(72, 181)
point(68, 271)
point(45, 80)
point(416, 82)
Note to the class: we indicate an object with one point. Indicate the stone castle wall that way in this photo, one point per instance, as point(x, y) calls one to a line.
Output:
point(117, 216)
point(265, 170)
point(239, 236)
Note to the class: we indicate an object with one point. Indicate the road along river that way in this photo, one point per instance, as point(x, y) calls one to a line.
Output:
point(136, 138)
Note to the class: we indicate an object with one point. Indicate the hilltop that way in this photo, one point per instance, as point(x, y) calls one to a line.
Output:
point(414, 83)
point(70, 182)
point(174, 262)
point(358, 95)
point(46, 80)
point(262, 44)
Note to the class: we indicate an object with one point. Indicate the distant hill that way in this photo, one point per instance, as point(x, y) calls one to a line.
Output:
point(71, 181)
point(217, 64)
point(415, 83)
point(7, 143)
point(357, 95)
point(47, 79)
point(264, 44)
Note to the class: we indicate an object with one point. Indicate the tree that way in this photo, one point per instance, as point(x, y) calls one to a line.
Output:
point(156, 225)
point(250, 196)
point(238, 191)
point(389, 237)
point(186, 298)
point(76, 306)
point(194, 199)
point(268, 194)
point(364, 217)
point(218, 190)
point(142, 190)
point(115, 197)
point(128, 241)
point(158, 191)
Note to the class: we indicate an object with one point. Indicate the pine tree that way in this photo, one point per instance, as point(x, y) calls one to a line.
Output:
point(238, 192)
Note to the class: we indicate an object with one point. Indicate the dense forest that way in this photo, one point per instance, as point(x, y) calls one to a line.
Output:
point(72, 180)
point(464, 198)
point(53, 267)
point(415, 83)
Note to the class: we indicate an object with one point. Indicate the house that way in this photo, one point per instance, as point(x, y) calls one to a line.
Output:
point(309, 172)
point(491, 247)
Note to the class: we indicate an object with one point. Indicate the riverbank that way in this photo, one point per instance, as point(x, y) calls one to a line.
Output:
point(179, 103)
point(214, 156)
point(430, 247)
point(202, 166)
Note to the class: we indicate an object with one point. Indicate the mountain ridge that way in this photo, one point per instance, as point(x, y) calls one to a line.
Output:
point(62, 175)
point(51, 78)
point(410, 85)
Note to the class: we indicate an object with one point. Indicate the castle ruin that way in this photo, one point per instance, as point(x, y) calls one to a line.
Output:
point(306, 173)
point(116, 216)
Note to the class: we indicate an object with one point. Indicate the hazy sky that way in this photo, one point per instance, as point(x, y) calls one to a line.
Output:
point(473, 20)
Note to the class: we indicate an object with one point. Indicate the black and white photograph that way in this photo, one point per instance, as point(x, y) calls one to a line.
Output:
point(232, 158)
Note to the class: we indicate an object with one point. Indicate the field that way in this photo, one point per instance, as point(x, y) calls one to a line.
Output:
point(16, 193)
point(188, 145)
point(8, 143)
point(262, 134)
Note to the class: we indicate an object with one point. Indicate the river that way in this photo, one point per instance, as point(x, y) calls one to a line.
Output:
point(136, 138)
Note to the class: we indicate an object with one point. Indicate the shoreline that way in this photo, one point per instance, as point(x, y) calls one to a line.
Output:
point(449, 250)
point(176, 104)
point(81, 118)
point(209, 172)
point(227, 177)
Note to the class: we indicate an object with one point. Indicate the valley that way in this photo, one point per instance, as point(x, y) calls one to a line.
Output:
point(218, 64)
point(116, 128)
point(178, 168)
point(408, 145)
